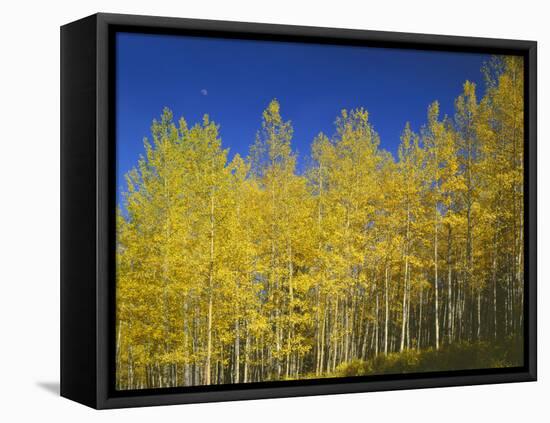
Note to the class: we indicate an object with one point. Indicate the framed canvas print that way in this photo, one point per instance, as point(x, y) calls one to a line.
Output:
point(255, 211)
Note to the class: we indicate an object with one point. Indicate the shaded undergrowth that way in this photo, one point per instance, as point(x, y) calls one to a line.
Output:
point(460, 356)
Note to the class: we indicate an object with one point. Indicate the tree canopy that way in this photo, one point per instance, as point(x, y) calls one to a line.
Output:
point(247, 270)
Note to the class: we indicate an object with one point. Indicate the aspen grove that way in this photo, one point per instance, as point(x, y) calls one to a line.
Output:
point(246, 270)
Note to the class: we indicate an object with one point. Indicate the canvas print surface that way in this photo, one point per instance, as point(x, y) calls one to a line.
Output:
point(292, 211)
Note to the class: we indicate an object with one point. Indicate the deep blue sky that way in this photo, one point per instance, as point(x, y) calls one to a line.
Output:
point(234, 80)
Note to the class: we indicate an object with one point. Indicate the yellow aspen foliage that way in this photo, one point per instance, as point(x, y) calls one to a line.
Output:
point(238, 269)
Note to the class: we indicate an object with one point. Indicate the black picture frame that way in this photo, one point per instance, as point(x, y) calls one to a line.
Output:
point(88, 210)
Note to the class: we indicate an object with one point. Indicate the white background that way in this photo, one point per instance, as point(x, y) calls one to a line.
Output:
point(29, 210)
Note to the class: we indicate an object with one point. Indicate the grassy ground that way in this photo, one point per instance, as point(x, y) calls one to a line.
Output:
point(462, 356)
